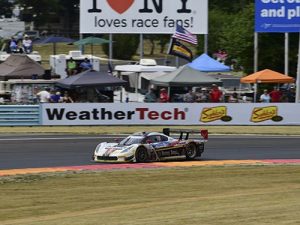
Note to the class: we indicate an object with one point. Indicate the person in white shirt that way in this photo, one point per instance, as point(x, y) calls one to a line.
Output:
point(27, 44)
point(265, 97)
point(44, 95)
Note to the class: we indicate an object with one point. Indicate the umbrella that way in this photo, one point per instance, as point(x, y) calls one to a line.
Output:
point(54, 40)
point(91, 41)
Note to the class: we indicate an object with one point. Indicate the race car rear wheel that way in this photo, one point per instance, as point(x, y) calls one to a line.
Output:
point(191, 151)
point(141, 155)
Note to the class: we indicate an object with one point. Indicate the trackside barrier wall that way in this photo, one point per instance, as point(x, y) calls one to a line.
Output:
point(20, 115)
point(170, 114)
point(150, 114)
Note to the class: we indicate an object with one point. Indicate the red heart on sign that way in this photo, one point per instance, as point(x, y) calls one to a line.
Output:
point(120, 6)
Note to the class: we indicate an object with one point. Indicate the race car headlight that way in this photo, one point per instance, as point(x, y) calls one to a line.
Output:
point(98, 148)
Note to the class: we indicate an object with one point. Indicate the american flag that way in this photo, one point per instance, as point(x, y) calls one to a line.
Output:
point(184, 35)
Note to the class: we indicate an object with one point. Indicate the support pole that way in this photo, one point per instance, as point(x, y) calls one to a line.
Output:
point(110, 47)
point(286, 53)
point(205, 43)
point(255, 52)
point(81, 47)
point(298, 75)
point(141, 46)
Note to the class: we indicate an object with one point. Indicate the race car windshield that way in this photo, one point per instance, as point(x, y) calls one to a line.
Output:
point(131, 140)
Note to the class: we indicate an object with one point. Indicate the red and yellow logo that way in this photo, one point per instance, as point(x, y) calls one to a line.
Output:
point(215, 113)
point(260, 114)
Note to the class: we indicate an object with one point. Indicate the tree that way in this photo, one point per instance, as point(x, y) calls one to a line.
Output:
point(229, 7)
point(6, 8)
point(69, 12)
point(217, 22)
point(237, 37)
point(38, 11)
point(124, 46)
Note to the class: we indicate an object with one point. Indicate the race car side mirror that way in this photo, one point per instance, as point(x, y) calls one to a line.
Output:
point(204, 134)
point(148, 141)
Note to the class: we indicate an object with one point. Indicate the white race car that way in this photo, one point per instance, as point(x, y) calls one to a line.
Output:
point(153, 146)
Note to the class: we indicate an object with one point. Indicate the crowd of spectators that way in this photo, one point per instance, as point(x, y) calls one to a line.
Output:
point(214, 94)
point(53, 96)
point(22, 46)
point(73, 67)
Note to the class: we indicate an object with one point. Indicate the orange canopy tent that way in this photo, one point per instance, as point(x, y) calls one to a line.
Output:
point(267, 76)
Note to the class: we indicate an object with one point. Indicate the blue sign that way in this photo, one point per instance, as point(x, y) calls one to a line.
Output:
point(277, 16)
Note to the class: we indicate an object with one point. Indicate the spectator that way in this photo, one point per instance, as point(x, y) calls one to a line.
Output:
point(201, 96)
point(71, 67)
point(233, 98)
point(265, 97)
point(56, 98)
point(215, 94)
point(27, 44)
point(44, 96)
point(163, 96)
point(276, 95)
point(13, 46)
point(86, 64)
point(150, 96)
point(189, 97)
point(291, 94)
point(67, 98)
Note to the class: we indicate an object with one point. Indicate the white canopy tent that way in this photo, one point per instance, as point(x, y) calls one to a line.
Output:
point(142, 71)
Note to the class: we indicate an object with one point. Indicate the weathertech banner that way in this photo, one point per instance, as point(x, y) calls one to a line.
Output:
point(170, 114)
point(178, 49)
point(143, 16)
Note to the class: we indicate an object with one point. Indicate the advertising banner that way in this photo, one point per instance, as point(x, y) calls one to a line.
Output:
point(143, 16)
point(170, 114)
point(277, 16)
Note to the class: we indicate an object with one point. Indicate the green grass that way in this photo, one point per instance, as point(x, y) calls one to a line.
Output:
point(232, 195)
point(275, 130)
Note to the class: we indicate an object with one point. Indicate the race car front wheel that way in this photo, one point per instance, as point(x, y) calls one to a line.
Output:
point(191, 151)
point(141, 155)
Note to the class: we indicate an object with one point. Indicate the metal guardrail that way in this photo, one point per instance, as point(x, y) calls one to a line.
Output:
point(19, 115)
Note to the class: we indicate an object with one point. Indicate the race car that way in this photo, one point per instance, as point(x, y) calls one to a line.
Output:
point(145, 147)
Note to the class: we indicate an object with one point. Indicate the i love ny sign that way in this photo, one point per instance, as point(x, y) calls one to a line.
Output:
point(143, 16)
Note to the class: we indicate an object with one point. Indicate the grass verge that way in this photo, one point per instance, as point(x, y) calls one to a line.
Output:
point(199, 195)
point(273, 130)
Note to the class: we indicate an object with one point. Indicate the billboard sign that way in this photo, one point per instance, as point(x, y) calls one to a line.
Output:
point(170, 114)
point(282, 16)
point(143, 16)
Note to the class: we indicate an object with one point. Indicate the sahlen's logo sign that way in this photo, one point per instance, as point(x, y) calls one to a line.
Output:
point(143, 16)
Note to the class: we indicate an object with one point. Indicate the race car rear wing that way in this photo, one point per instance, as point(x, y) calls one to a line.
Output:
point(186, 133)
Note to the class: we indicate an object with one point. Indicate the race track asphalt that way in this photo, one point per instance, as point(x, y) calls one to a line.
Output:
point(35, 151)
